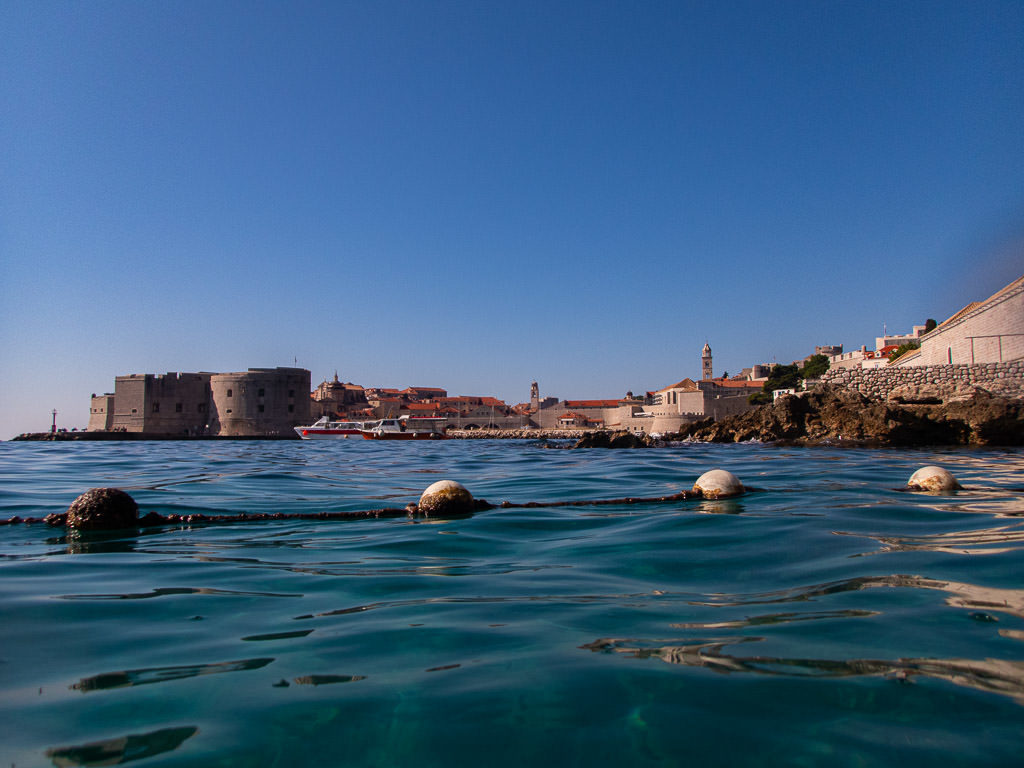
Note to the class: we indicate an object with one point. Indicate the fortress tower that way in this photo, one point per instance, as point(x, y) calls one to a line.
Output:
point(705, 360)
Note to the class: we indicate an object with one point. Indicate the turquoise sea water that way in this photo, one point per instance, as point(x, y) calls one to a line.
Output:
point(826, 619)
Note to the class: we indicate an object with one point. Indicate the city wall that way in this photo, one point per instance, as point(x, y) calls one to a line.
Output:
point(260, 401)
point(928, 380)
point(991, 332)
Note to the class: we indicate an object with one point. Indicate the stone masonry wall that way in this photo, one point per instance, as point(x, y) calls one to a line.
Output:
point(998, 378)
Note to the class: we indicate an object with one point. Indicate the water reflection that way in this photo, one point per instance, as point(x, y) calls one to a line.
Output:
point(775, 618)
point(982, 541)
point(327, 679)
point(165, 591)
point(97, 542)
point(990, 675)
point(961, 595)
point(129, 677)
point(123, 749)
point(278, 635)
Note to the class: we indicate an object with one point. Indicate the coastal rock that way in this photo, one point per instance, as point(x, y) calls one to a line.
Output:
point(834, 414)
point(103, 509)
point(606, 439)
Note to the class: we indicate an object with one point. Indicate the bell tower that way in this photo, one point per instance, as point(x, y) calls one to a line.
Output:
point(705, 360)
point(534, 397)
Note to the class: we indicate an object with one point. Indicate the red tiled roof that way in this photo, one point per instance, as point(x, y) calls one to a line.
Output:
point(592, 403)
point(688, 384)
point(738, 384)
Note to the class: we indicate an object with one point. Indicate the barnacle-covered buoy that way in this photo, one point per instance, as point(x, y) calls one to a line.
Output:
point(933, 479)
point(103, 509)
point(717, 484)
point(446, 498)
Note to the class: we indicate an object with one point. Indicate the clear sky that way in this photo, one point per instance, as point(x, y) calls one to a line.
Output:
point(476, 195)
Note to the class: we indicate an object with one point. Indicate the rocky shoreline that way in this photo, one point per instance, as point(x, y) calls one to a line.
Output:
point(836, 415)
point(829, 414)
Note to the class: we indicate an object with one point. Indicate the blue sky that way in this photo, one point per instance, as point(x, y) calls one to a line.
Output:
point(476, 195)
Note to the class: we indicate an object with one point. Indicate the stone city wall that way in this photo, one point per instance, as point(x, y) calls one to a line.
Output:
point(260, 401)
point(992, 332)
point(931, 380)
point(101, 412)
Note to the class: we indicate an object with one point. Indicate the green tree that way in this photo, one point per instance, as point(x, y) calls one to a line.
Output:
point(929, 325)
point(816, 365)
point(781, 377)
point(902, 349)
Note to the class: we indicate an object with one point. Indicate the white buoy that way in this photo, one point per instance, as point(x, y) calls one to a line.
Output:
point(933, 479)
point(717, 484)
point(446, 498)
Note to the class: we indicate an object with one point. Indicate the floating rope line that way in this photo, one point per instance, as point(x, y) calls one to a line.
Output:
point(113, 509)
point(155, 519)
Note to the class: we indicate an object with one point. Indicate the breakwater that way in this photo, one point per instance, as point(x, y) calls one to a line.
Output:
point(457, 434)
point(99, 436)
point(517, 434)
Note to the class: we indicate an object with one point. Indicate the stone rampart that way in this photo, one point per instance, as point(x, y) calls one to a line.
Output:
point(931, 380)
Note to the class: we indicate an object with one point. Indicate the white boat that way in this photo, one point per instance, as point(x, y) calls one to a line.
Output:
point(405, 428)
point(325, 429)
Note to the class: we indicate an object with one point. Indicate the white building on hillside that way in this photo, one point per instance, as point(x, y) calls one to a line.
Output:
point(989, 331)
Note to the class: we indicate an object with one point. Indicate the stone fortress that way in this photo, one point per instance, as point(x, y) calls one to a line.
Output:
point(260, 402)
point(981, 345)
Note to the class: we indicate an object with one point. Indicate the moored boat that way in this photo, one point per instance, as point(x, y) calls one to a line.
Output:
point(325, 429)
point(405, 428)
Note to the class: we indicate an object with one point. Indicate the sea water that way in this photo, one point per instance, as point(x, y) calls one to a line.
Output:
point(829, 617)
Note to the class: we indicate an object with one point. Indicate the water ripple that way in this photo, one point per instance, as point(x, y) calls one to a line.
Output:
point(990, 675)
point(131, 677)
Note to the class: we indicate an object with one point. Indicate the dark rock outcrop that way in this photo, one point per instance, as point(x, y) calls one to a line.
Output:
point(606, 439)
point(835, 414)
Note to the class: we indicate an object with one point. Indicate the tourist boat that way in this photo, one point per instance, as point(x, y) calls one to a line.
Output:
point(325, 429)
point(405, 428)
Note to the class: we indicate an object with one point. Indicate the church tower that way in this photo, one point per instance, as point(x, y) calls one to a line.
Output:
point(705, 360)
point(534, 397)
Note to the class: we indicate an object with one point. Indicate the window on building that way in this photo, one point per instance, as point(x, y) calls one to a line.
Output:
point(134, 410)
point(259, 408)
point(260, 393)
point(201, 407)
point(291, 409)
point(178, 407)
point(156, 407)
point(291, 393)
point(229, 393)
point(229, 410)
